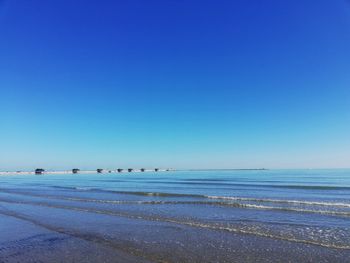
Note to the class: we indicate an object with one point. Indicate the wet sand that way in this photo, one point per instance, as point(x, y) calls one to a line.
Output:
point(25, 241)
point(42, 234)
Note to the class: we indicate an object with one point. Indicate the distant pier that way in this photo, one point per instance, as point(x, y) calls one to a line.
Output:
point(40, 171)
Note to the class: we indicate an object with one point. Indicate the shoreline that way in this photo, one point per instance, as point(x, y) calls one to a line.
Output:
point(211, 218)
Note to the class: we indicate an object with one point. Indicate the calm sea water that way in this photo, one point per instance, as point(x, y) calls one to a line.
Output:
point(308, 209)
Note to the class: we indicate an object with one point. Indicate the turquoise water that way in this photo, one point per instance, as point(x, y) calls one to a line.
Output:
point(298, 207)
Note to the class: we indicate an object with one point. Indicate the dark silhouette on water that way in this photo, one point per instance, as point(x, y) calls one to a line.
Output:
point(130, 170)
point(119, 170)
point(39, 171)
point(75, 170)
point(99, 170)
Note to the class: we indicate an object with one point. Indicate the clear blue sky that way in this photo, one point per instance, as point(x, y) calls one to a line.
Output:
point(174, 83)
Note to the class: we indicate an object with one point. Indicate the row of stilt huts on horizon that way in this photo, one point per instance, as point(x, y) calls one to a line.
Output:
point(100, 170)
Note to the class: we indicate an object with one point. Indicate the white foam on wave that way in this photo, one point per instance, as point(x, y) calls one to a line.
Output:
point(333, 204)
point(237, 205)
point(83, 188)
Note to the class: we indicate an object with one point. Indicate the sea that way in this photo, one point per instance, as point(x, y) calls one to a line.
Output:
point(177, 216)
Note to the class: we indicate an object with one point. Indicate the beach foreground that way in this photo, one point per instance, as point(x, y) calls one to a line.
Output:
point(213, 216)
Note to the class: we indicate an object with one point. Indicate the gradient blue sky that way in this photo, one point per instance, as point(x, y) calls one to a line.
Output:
point(183, 84)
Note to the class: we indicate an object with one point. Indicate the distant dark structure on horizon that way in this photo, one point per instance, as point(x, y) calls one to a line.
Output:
point(156, 170)
point(99, 170)
point(119, 170)
point(130, 170)
point(39, 171)
point(142, 169)
point(75, 170)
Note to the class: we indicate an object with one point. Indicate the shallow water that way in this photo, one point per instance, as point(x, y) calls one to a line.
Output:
point(182, 216)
